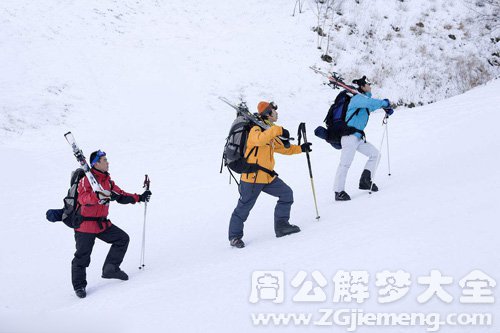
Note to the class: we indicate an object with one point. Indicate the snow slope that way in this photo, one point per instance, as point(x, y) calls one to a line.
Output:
point(143, 87)
point(420, 51)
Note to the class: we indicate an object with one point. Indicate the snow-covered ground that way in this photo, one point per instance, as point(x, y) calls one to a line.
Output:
point(140, 81)
point(418, 51)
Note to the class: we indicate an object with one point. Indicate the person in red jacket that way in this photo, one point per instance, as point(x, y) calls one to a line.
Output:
point(95, 224)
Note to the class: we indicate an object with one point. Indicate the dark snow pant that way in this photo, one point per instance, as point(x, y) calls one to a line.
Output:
point(84, 244)
point(249, 193)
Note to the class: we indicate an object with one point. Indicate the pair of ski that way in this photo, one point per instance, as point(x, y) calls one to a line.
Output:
point(336, 81)
point(242, 109)
point(96, 187)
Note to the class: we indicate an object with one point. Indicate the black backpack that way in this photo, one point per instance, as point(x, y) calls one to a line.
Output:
point(70, 214)
point(233, 156)
point(336, 124)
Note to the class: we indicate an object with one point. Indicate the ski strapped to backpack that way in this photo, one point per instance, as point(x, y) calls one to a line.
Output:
point(336, 81)
point(233, 156)
point(70, 214)
point(242, 109)
point(96, 187)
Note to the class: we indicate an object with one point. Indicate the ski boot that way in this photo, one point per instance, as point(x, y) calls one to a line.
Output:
point(342, 196)
point(284, 228)
point(80, 292)
point(365, 182)
point(111, 271)
point(237, 242)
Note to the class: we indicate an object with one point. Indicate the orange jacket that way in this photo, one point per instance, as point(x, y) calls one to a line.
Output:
point(265, 144)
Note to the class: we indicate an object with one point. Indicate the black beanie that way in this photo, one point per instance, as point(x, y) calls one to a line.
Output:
point(361, 82)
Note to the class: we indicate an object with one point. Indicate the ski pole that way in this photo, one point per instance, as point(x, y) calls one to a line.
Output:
point(384, 122)
point(388, 158)
point(143, 248)
point(302, 132)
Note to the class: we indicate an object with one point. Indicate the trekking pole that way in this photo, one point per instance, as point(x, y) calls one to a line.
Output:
point(143, 248)
point(384, 122)
point(302, 132)
point(387, 134)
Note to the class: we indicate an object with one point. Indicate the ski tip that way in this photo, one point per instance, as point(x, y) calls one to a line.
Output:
point(66, 134)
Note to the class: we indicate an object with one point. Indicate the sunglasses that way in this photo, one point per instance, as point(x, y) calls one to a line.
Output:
point(97, 157)
point(270, 108)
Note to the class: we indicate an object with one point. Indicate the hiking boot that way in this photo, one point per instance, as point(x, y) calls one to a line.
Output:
point(111, 271)
point(365, 182)
point(80, 292)
point(284, 228)
point(237, 242)
point(342, 196)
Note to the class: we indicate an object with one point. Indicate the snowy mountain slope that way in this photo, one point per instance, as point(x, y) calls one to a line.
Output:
point(422, 51)
point(61, 59)
point(150, 101)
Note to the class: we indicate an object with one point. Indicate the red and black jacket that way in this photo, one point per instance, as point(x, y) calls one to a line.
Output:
point(90, 206)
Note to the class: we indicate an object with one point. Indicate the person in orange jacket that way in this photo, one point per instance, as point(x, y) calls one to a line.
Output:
point(260, 149)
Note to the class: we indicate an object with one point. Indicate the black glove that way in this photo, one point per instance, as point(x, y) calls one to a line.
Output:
point(389, 111)
point(145, 196)
point(114, 196)
point(285, 134)
point(306, 147)
point(104, 197)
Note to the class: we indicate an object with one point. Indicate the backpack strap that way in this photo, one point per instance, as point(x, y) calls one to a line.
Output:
point(355, 113)
point(256, 148)
point(99, 220)
point(255, 167)
point(222, 163)
point(232, 175)
point(352, 130)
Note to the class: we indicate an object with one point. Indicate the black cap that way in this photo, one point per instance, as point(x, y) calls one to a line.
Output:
point(361, 82)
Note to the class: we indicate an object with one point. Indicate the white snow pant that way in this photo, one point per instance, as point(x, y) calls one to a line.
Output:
point(351, 144)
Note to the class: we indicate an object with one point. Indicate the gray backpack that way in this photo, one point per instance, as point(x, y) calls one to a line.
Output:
point(70, 214)
point(233, 156)
point(236, 144)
